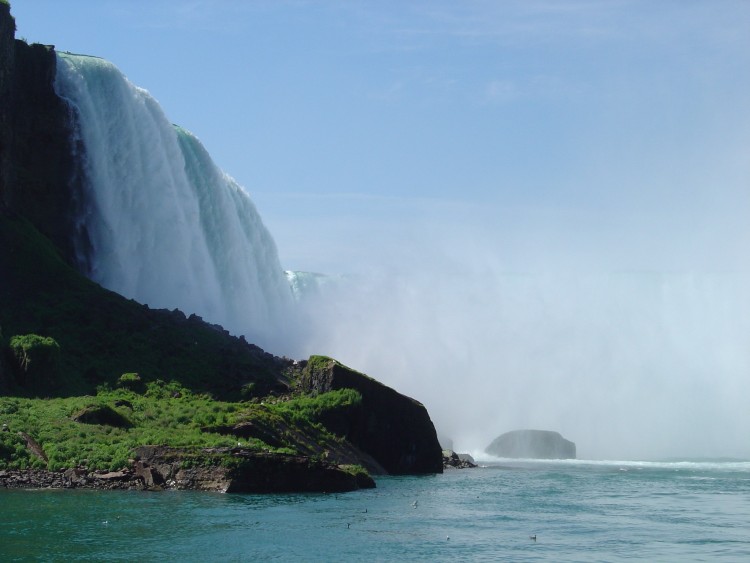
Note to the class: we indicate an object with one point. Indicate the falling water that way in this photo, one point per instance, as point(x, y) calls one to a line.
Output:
point(166, 227)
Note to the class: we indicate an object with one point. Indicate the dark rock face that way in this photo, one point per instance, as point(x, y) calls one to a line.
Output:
point(39, 176)
point(394, 429)
point(7, 58)
point(276, 435)
point(3, 382)
point(535, 444)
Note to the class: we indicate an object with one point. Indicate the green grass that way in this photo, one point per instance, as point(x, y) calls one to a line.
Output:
point(312, 408)
point(156, 417)
point(166, 414)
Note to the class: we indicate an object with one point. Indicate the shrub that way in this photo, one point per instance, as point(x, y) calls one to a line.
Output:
point(248, 390)
point(131, 381)
point(36, 357)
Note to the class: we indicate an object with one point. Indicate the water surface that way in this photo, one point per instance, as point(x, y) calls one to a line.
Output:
point(578, 511)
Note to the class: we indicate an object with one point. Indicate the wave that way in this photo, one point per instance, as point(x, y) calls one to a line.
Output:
point(624, 465)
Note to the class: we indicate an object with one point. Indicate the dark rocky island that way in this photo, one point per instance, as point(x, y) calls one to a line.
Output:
point(535, 444)
point(97, 390)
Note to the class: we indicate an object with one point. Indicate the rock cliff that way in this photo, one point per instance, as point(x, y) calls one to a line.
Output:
point(39, 177)
point(394, 429)
point(7, 59)
point(535, 444)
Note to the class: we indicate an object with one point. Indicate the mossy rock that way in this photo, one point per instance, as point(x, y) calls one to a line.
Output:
point(102, 414)
point(36, 360)
point(131, 381)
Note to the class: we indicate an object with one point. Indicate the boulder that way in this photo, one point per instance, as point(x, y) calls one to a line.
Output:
point(34, 447)
point(452, 460)
point(535, 444)
point(101, 414)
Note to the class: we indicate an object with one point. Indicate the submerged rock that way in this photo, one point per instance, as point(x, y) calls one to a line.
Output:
point(535, 444)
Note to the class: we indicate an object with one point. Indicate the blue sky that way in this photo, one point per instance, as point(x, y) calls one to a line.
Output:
point(488, 165)
point(579, 134)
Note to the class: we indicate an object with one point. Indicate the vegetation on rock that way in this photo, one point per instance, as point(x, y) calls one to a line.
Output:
point(103, 430)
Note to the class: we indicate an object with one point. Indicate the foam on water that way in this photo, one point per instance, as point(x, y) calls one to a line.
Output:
point(625, 465)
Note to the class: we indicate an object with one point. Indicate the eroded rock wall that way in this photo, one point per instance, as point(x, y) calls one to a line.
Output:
point(7, 58)
point(40, 177)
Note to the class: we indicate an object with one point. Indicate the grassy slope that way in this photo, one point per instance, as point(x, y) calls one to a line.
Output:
point(103, 335)
point(164, 414)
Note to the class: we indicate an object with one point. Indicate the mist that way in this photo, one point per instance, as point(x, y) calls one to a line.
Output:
point(629, 339)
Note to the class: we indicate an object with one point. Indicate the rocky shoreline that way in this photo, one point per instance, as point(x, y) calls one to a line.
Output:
point(225, 470)
point(77, 478)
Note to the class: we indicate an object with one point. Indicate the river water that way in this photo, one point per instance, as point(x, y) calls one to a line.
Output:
point(577, 510)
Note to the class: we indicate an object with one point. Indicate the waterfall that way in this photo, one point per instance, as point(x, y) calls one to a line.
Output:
point(165, 226)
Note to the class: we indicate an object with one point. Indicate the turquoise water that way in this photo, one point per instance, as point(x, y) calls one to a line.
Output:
point(579, 511)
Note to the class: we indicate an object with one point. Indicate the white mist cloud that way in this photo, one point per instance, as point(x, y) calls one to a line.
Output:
point(628, 365)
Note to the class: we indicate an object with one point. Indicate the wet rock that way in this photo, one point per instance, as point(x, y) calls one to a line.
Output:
point(452, 460)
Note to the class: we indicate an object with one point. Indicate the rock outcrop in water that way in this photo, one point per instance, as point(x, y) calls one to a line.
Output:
point(394, 429)
point(452, 460)
point(535, 444)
